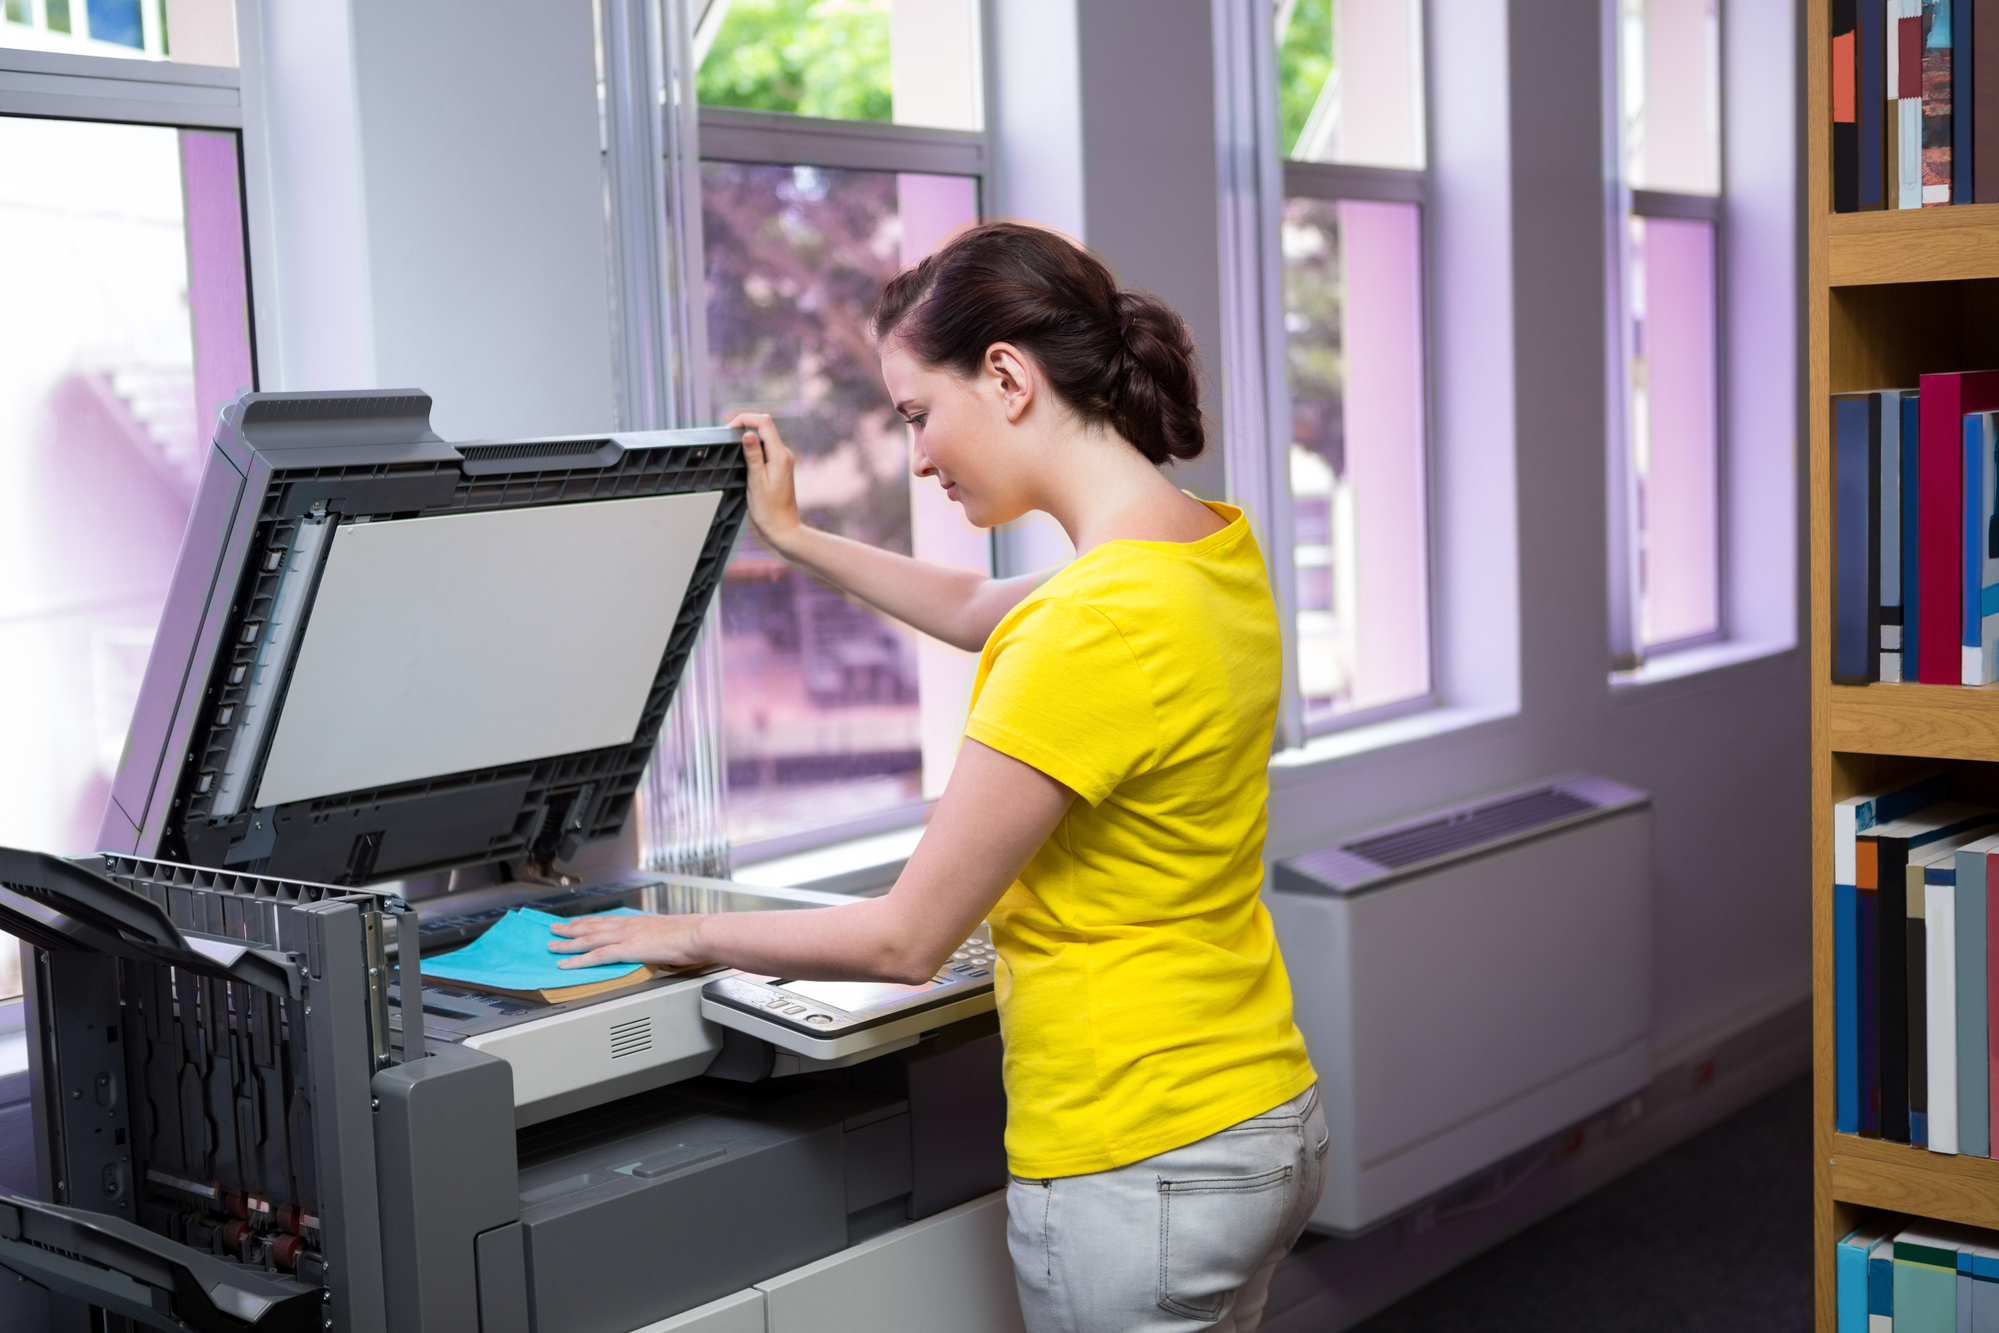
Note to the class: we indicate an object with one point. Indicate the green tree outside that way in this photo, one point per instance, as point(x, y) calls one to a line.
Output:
point(808, 57)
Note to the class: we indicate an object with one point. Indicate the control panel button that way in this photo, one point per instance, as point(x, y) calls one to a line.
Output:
point(822, 1020)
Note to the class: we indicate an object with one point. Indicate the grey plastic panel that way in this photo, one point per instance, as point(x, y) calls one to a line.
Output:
point(444, 1155)
point(503, 1281)
point(442, 645)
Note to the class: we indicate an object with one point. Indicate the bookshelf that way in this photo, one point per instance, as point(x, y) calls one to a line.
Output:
point(1888, 296)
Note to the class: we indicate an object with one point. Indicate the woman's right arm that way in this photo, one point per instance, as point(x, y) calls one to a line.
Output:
point(958, 606)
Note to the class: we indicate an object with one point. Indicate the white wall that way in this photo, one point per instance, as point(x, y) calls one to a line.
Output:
point(427, 207)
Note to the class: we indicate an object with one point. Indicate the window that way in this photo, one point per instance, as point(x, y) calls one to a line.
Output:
point(122, 341)
point(834, 722)
point(1350, 92)
point(1666, 542)
point(199, 32)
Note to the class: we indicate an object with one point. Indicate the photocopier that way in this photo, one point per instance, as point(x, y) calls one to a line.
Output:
point(386, 661)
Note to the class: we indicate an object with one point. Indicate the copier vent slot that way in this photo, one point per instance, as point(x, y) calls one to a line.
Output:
point(631, 1037)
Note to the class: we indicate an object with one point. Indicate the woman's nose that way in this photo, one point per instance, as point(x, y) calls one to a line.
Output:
point(919, 462)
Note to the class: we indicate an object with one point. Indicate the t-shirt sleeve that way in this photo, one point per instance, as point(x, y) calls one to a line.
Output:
point(1064, 694)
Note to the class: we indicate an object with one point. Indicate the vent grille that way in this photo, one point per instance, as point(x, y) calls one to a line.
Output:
point(631, 1037)
point(1469, 828)
point(532, 449)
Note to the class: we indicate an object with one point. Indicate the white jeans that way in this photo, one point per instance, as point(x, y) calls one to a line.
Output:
point(1185, 1240)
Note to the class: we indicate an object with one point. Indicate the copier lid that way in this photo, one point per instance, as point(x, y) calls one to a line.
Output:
point(384, 655)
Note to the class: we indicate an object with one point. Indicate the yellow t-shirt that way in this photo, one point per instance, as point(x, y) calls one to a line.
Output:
point(1142, 998)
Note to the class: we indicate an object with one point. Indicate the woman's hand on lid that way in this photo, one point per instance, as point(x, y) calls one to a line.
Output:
point(668, 941)
point(773, 488)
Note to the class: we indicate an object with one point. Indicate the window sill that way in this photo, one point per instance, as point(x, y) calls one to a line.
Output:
point(1382, 735)
point(862, 866)
point(866, 866)
point(1697, 661)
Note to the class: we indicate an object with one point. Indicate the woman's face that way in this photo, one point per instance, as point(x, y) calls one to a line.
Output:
point(959, 434)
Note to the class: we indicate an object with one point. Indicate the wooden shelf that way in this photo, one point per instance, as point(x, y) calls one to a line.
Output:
point(1913, 245)
point(1926, 721)
point(1875, 1174)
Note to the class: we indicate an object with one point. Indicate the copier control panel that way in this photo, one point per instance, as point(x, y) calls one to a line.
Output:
point(828, 1020)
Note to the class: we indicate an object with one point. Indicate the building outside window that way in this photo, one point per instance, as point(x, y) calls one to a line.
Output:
point(1666, 463)
point(201, 32)
point(834, 720)
point(1350, 91)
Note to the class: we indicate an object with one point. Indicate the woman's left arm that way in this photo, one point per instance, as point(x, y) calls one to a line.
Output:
point(994, 815)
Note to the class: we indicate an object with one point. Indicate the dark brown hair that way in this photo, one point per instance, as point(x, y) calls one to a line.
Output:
point(1120, 358)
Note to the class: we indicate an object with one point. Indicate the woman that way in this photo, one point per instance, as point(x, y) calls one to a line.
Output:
point(1106, 812)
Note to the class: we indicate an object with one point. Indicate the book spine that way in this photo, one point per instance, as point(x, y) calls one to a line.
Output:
point(1868, 965)
point(1940, 1009)
point(1971, 547)
point(1846, 1006)
point(1964, 94)
point(1981, 431)
point(1845, 127)
point(1888, 526)
point(1911, 527)
point(1856, 558)
point(1851, 1271)
point(1937, 92)
point(1974, 1116)
point(1891, 989)
point(1941, 444)
point(1909, 106)
point(1991, 1019)
point(1985, 101)
point(1872, 104)
point(1916, 1007)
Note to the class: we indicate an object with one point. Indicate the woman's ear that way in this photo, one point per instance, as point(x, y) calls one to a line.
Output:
point(1012, 375)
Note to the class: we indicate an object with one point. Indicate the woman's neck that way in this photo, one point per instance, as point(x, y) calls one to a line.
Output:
point(1109, 492)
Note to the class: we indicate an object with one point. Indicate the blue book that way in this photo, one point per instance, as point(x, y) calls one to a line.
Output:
point(1873, 91)
point(1890, 523)
point(1850, 1272)
point(1963, 70)
point(1925, 1278)
point(1856, 627)
point(1981, 549)
point(1846, 1006)
point(1881, 1281)
point(1911, 529)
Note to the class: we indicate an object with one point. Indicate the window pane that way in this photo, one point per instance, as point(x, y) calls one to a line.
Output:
point(914, 62)
point(1350, 81)
point(1673, 428)
point(106, 389)
point(1354, 362)
point(195, 32)
point(1669, 77)
point(823, 703)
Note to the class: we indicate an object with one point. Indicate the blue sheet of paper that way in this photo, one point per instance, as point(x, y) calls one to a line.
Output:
point(513, 955)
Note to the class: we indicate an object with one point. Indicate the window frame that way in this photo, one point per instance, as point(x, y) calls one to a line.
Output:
point(1334, 182)
point(1628, 653)
point(782, 138)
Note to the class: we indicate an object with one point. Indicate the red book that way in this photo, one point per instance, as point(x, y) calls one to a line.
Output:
point(1940, 511)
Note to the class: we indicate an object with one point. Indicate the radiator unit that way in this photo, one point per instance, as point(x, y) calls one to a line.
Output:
point(1471, 981)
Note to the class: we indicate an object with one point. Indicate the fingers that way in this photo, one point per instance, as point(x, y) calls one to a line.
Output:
point(595, 958)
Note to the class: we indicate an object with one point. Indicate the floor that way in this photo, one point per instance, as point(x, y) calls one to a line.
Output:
point(1714, 1236)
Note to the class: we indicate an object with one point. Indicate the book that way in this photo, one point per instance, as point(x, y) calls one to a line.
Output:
point(1845, 120)
point(1852, 941)
point(1888, 538)
point(1974, 1096)
point(1938, 931)
point(1850, 1270)
point(1964, 95)
point(1983, 104)
point(1936, 102)
point(1856, 617)
point(1926, 1279)
point(1871, 103)
point(1915, 1006)
point(1908, 128)
point(1881, 1286)
point(1910, 528)
point(1881, 873)
point(1981, 549)
point(1944, 401)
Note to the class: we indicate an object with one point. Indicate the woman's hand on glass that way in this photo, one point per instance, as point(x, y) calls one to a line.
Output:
point(668, 941)
point(773, 489)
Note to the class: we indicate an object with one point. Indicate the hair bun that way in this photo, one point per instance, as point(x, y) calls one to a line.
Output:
point(1158, 397)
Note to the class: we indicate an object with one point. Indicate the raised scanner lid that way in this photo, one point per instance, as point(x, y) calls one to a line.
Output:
point(1369, 859)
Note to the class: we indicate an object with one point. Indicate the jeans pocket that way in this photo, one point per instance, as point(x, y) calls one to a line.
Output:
point(1214, 1233)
